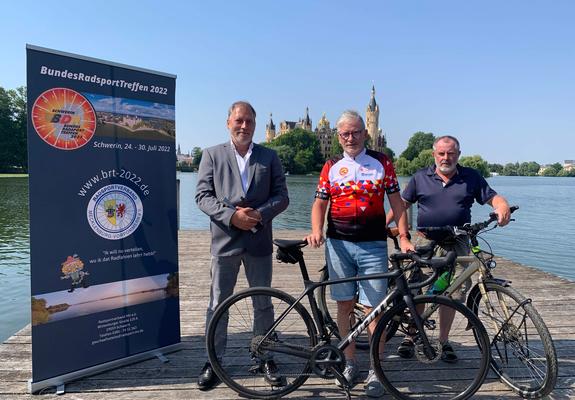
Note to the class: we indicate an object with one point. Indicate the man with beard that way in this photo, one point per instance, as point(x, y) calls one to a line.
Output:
point(241, 187)
point(444, 193)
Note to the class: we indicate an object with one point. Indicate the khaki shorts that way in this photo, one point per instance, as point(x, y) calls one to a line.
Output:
point(461, 248)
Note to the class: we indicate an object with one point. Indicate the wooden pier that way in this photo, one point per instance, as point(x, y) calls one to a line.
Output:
point(553, 297)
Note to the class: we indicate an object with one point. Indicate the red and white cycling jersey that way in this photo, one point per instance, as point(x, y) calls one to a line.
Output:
point(355, 188)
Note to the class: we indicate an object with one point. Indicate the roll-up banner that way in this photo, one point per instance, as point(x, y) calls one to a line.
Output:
point(103, 223)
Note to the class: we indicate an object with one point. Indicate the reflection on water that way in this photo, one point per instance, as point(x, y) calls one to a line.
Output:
point(14, 256)
point(77, 310)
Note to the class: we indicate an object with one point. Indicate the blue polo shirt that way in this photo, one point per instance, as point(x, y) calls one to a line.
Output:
point(449, 204)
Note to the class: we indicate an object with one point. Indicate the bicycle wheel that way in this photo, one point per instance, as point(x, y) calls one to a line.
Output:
point(522, 351)
point(426, 374)
point(237, 349)
point(362, 341)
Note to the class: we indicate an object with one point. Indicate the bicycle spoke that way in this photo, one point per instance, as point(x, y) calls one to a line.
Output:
point(241, 353)
point(522, 351)
point(429, 373)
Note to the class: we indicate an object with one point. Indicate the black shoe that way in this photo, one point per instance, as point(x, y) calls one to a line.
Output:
point(407, 348)
point(448, 354)
point(271, 374)
point(208, 378)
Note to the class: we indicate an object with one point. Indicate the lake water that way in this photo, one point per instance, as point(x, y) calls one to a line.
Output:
point(541, 236)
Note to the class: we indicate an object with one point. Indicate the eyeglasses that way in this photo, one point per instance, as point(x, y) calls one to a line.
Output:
point(347, 135)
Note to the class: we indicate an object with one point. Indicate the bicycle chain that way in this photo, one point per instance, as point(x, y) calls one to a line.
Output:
point(271, 343)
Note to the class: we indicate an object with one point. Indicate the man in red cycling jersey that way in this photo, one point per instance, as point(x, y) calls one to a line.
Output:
point(353, 185)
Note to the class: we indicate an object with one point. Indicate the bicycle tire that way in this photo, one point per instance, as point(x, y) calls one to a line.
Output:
point(362, 341)
point(424, 376)
point(240, 345)
point(523, 355)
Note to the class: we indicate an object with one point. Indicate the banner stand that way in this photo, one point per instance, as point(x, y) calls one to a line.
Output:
point(103, 218)
point(60, 381)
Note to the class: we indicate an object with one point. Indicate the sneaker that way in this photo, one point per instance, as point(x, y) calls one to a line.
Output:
point(351, 372)
point(373, 387)
point(407, 348)
point(448, 354)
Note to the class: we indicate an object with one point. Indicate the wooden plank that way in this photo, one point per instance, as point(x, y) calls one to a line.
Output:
point(553, 297)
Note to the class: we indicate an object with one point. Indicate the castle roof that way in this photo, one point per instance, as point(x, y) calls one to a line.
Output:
point(372, 104)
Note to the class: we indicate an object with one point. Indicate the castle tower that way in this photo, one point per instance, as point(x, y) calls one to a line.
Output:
point(372, 123)
point(270, 130)
point(306, 122)
point(323, 123)
point(325, 136)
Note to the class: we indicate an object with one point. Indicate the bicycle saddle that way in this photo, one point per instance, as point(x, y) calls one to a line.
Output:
point(287, 244)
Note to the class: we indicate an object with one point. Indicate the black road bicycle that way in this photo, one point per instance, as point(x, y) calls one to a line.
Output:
point(301, 345)
point(522, 352)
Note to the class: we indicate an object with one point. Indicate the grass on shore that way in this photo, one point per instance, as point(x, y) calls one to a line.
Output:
point(13, 175)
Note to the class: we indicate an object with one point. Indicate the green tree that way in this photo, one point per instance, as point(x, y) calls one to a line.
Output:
point(304, 161)
point(298, 151)
point(530, 168)
point(510, 169)
point(497, 168)
point(423, 160)
point(403, 167)
point(286, 155)
point(567, 172)
point(476, 162)
point(196, 156)
point(13, 139)
point(552, 170)
point(419, 141)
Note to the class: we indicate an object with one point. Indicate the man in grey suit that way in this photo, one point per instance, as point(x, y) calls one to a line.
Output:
point(241, 187)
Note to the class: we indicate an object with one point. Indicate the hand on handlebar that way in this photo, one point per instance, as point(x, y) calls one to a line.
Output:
point(503, 215)
point(406, 245)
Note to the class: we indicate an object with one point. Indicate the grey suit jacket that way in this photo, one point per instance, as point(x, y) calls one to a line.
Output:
point(219, 179)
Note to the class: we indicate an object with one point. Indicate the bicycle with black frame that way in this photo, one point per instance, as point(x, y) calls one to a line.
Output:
point(301, 344)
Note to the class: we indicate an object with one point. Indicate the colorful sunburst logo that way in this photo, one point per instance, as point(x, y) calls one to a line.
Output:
point(64, 118)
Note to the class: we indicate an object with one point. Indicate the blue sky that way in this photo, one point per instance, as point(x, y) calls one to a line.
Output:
point(500, 75)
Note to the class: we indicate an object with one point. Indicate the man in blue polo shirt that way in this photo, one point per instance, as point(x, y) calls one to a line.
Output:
point(444, 194)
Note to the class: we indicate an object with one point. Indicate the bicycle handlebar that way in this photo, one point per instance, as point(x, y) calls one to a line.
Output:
point(467, 229)
point(434, 263)
point(437, 264)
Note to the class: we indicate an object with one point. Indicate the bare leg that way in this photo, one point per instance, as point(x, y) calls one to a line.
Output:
point(446, 316)
point(371, 329)
point(344, 310)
